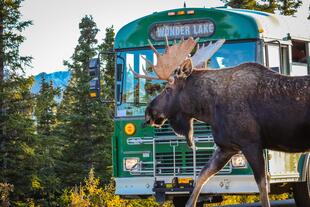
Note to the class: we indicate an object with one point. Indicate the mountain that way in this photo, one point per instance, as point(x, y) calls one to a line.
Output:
point(60, 79)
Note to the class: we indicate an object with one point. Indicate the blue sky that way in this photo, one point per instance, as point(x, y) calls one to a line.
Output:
point(54, 33)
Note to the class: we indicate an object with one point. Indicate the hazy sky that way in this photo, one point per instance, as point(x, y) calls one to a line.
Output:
point(54, 33)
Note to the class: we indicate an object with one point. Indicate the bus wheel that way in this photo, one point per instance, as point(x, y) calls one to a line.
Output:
point(181, 201)
point(301, 191)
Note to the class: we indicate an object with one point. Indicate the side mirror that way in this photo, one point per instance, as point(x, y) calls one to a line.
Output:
point(94, 73)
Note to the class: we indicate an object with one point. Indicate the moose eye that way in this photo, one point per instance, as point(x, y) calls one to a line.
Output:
point(168, 89)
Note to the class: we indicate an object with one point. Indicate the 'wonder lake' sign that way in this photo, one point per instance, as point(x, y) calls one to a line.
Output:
point(177, 30)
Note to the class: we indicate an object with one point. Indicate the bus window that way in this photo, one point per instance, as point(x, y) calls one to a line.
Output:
point(273, 57)
point(299, 58)
point(299, 51)
point(285, 59)
point(233, 54)
point(136, 93)
point(129, 95)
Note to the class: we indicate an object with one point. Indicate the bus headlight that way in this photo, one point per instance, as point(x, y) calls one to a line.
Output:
point(131, 164)
point(238, 161)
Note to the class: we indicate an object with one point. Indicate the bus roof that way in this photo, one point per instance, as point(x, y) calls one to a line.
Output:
point(278, 26)
point(210, 24)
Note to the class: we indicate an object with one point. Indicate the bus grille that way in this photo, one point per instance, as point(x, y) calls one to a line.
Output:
point(200, 128)
point(172, 155)
point(165, 163)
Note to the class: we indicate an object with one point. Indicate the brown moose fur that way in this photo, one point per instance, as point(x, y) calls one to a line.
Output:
point(249, 107)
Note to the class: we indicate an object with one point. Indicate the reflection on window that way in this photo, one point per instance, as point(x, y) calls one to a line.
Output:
point(154, 59)
point(129, 95)
point(142, 65)
point(299, 51)
point(230, 55)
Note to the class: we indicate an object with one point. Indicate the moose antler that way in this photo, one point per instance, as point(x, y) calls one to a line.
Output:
point(166, 63)
point(203, 54)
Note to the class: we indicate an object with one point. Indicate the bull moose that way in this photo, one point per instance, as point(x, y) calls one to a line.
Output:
point(250, 108)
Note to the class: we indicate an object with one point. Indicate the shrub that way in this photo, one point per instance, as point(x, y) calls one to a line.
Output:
point(5, 189)
point(90, 194)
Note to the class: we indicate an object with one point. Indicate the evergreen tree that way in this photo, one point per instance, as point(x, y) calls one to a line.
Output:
point(18, 159)
point(285, 7)
point(241, 4)
point(84, 122)
point(50, 146)
point(270, 6)
point(252, 4)
point(46, 105)
point(108, 59)
point(289, 7)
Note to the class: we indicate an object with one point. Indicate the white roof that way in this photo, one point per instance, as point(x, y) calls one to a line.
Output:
point(278, 26)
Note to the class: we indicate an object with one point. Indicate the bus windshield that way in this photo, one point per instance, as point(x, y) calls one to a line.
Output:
point(136, 93)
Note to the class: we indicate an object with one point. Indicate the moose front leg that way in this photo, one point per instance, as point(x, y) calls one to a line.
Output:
point(254, 155)
point(218, 160)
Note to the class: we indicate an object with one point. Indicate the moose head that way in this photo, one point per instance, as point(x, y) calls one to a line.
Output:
point(176, 66)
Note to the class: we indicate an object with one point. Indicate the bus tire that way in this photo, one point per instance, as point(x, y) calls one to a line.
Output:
point(181, 201)
point(301, 191)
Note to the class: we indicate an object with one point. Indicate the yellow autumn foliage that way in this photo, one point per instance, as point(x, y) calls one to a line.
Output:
point(91, 194)
point(243, 199)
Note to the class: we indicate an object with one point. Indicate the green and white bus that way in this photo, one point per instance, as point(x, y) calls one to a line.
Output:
point(150, 161)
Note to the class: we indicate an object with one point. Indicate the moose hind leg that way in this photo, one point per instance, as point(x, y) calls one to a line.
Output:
point(254, 155)
point(218, 160)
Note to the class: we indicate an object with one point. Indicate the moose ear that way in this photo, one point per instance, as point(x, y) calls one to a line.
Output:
point(185, 69)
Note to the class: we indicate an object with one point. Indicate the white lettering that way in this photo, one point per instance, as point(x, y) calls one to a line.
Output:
point(182, 31)
point(211, 28)
point(206, 28)
point(185, 30)
point(172, 31)
point(194, 29)
point(160, 32)
point(200, 30)
point(166, 31)
point(177, 31)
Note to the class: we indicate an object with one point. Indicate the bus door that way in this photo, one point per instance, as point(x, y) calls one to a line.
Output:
point(282, 167)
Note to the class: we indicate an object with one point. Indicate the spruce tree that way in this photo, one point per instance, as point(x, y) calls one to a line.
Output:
point(285, 7)
point(83, 121)
point(18, 141)
point(45, 110)
point(269, 7)
point(241, 4)
point(50, 146)
point(289, 7)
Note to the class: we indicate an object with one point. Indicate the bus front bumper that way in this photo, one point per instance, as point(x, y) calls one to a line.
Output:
point(222, 184)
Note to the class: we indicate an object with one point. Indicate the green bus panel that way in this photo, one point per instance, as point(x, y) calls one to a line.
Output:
point(228, 25)
point(121, 149)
